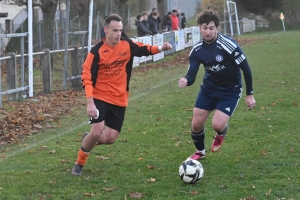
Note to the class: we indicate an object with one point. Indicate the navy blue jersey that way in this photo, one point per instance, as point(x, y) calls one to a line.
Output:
point(223, 61)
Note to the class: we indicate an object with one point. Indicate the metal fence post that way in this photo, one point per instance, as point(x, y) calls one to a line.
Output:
point(46, 71)
point(75, 68)
point(11, 71)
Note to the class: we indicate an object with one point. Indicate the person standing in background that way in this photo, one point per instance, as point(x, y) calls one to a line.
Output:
point(166, 24)
point(153, 23)
point(175, 20)
point(140, 27)
point(183, 20)
point(157, 19)
point(179, 18)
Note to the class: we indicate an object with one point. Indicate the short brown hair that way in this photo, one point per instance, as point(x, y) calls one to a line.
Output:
point(154, 13)
point(112, 17)
point(208, 16)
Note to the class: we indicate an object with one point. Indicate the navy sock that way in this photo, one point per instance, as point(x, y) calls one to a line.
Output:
point(198, 139)
point(224, 131)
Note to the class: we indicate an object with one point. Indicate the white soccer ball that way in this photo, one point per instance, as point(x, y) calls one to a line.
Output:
point(191, 171)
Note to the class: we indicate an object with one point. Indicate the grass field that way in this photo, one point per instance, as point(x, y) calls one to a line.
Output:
point(259, 159)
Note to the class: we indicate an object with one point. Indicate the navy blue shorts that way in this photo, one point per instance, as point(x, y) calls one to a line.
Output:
point(112, 115)
point(225, 101)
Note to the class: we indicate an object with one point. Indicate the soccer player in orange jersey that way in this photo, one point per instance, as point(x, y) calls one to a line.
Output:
point(105, 77)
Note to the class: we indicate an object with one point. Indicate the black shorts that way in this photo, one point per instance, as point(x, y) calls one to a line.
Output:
point(112, 115)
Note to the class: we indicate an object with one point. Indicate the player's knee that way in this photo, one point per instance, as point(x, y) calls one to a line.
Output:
point(218, 127)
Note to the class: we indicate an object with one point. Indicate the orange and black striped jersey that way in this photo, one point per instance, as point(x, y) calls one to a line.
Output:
point(107, 70)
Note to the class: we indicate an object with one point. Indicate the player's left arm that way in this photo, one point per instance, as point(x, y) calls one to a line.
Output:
point(250, 101)
point(140, 49)
point(241, 61)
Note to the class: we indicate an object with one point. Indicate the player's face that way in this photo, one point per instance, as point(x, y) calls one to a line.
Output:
point(113, 32)
point(209, 32)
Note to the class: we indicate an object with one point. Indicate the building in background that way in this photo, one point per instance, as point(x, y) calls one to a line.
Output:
point(16, 15)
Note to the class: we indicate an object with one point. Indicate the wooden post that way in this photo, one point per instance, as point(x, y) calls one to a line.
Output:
point(46, 71)
point(11, 71)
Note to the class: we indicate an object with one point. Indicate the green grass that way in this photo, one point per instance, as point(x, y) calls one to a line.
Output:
point(260, 156)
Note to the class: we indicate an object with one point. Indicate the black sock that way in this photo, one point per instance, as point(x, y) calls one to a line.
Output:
point(84, 150)
point(224, 131)
point(198, 139)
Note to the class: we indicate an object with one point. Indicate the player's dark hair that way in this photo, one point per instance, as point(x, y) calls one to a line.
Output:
point(112, 17)
point(208, 16)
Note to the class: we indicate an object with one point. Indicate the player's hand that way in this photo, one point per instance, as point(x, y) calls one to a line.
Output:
point(91, 109)
point(250, 101)
point(166, 46)
point(182, 82)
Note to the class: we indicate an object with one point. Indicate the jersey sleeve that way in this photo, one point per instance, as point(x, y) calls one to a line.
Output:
point(241, 61)
point(89, 71)
point(193, 68)
point(140, 49)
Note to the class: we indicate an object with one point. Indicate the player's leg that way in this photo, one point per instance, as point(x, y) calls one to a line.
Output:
point(88, 144)
point(203, 107)
point(113, 125)
point(224, 110)
point(198, 133)
point(220, 125)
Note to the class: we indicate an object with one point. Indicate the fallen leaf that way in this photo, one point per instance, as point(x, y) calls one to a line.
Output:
point(136, 195)
point(248, 198)
point(269, 193)
point(109, 189)
point(194, 192)
point(52, 152)
point(102, 158)
point(150, 167)
point(151, 180)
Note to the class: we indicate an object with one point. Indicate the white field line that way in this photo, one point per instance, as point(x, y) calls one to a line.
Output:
point(79, 126)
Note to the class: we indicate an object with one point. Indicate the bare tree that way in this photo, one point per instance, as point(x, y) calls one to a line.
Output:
point(162, 8)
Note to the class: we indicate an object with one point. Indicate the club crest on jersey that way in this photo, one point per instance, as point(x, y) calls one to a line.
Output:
point(219, 58)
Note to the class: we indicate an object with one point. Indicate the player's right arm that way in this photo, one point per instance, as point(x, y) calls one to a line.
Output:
point(190, 77)
point(88, 76)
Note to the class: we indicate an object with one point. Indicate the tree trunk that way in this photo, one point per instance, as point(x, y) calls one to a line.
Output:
point(49, 10)
point(143, 5)
point(162, 8)
point(122, 10)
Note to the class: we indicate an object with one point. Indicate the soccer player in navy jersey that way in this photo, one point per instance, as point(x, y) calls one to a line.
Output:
point(221, 89)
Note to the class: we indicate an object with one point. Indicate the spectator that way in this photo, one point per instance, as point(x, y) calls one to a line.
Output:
point(183, 20)
point(167, 22)
point(164, 28)
point(175, 21)
point(158, 18)
point(141, 29)
point(145, 20)
point(179, 18)
point(153, 23)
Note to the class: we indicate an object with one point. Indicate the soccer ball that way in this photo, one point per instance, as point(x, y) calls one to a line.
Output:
point(191, 171)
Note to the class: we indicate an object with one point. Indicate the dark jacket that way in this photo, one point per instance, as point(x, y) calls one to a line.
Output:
point(141, 29)
point(167, 22)
point(183, 22)
point(153, 25)
point(157, 19)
